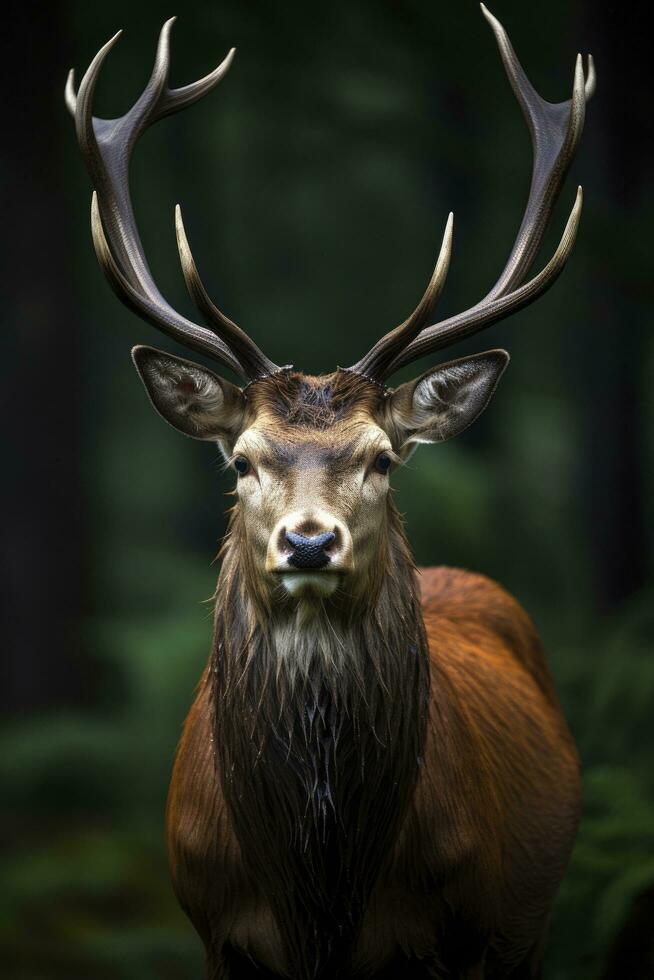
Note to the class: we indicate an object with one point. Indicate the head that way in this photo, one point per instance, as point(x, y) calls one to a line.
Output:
point(313, 457)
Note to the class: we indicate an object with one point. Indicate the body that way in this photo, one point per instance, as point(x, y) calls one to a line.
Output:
point(484, 840)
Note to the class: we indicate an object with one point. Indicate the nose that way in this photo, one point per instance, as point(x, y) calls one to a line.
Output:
point(309, 540)
point(309, 552)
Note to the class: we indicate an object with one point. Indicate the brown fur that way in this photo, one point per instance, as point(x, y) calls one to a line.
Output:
point(388, 780)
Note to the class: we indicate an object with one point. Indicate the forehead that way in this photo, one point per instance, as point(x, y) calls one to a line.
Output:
point(331, 419)
point(291, 447)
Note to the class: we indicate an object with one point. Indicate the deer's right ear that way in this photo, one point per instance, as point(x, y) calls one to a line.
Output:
point(191, 398)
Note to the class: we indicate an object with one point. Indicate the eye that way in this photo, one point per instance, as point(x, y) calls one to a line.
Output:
point(383, 463)
point(241, 465)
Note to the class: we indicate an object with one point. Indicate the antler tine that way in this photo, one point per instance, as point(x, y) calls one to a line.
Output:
point(163, 317)
point(382, 354)
point(591, 80)
point(167, 100)
point(106, 146)
point(70, 95)
point(245, 349)
point(483, 315)
point(179, 98)
point(555, 130)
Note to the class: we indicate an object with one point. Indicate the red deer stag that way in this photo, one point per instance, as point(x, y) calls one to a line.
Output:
point(375, 778)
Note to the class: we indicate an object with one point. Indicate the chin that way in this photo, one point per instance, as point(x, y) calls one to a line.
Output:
point(305, 585)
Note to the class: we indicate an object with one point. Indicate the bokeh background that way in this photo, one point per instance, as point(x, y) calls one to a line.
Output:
point(315, 184)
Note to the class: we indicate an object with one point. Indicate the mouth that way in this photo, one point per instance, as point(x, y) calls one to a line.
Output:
point(304, 583)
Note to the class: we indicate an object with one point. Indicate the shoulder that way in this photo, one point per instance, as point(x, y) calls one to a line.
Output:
point(467, 605)
point(452, 588)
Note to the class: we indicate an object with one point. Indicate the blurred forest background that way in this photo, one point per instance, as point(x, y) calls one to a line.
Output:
point(315, 184)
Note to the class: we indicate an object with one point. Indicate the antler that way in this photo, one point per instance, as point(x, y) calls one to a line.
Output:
point(106, 146)
point(555, 132)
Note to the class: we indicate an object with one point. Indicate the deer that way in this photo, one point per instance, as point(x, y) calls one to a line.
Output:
point(376, 778)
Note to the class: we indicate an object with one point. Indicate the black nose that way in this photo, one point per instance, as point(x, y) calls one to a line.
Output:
point(309, 552)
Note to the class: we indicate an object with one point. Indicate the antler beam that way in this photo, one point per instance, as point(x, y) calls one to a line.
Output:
point(555, 133)
point(106, 146)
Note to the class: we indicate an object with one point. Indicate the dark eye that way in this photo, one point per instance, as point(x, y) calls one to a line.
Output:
point(383, 463)
point(241, 465)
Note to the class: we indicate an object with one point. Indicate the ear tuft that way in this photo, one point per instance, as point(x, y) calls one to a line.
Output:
point(188, 396)
point(446, 400)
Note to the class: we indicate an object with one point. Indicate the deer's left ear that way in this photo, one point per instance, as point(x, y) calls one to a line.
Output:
point(444, 401)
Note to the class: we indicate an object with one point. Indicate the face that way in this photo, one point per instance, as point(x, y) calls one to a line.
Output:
point(314, 502)
point(312, 457)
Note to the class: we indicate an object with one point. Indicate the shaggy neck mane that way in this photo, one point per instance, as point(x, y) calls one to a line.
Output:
point(319, 723)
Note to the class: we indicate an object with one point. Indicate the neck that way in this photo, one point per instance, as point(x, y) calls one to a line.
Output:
point(320, 718)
